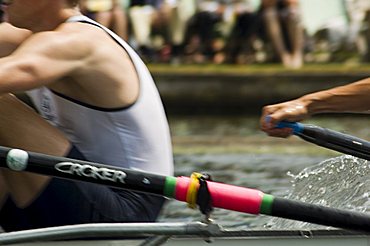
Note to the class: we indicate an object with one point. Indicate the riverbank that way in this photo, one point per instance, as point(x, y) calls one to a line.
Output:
point(230, 89)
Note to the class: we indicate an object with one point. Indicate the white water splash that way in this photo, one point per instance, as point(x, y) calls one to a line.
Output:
point(341, 182)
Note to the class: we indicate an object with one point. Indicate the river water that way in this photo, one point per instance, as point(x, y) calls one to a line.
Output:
point(233, 150)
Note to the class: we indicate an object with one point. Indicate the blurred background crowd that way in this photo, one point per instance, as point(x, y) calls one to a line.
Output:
point(291, 32)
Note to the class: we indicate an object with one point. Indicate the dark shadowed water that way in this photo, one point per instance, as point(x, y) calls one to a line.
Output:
point(234, 151)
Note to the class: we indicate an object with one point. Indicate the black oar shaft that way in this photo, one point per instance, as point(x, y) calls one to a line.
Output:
point(91, 172)
point(297, 210)
point(337, 141)
point(336, 147)
point(330, 139)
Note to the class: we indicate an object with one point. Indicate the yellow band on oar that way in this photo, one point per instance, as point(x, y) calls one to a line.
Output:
point(191, 195)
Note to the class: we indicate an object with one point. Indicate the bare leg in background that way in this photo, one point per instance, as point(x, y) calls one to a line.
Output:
point(290, 59)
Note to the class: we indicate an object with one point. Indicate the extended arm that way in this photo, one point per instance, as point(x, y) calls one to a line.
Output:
point(351, 98)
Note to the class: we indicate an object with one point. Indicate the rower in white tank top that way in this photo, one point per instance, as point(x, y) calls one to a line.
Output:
point(135, 137)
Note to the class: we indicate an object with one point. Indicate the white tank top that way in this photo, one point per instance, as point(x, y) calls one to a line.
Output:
point(136, 137)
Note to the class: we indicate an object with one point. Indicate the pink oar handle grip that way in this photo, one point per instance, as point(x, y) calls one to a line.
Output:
point(225, 196)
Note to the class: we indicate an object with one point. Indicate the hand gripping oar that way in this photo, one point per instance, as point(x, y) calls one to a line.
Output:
point(330, 139)
point(221, 195)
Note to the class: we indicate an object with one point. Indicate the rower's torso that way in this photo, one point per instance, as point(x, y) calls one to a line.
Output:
point(131, 135)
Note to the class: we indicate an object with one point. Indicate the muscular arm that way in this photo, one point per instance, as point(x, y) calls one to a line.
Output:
point(40, 60)
point(351, 98)
point(10, 38)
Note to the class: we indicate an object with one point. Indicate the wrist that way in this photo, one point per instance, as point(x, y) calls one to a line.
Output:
point(320, 102)
point(311, 103)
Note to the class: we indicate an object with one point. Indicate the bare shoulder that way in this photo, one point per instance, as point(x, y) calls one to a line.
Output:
point(74, 40)
point(60, 43)
point(91, 36)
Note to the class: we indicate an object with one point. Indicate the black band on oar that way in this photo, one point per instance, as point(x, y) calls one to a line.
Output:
point(330, 139)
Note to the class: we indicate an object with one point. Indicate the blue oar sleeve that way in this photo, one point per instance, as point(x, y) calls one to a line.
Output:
point(297, 127)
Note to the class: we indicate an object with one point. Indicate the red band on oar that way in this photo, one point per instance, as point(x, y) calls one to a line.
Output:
point(225, 196)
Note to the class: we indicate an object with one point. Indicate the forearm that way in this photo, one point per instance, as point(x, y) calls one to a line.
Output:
point(10, 38)
point(14, 76)
point(351, 98)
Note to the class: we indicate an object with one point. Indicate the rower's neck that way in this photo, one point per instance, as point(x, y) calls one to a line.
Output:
point(51, 21)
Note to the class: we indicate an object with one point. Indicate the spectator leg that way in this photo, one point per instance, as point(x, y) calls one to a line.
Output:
point(295, 35)
point(271, 20)
point(120, 22)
